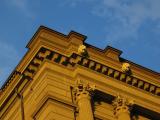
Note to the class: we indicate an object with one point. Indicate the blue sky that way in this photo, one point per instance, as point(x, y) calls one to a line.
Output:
point(132, 26)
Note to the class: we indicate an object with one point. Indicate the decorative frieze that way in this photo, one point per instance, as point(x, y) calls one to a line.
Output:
point(146, 86)
point(32, 67)
point(74, 59)
point(152, 88)
point(140, 84)
point(128, 79)
point(134, 81)
point(104, 69)
point(86, 62)
point(37, 61)
point(98, 67)
point(110, 72)
point(118, 75)
point(91, 64)
point(123, 77)
point(55, 56)
point(44, 54)
point(28, 74)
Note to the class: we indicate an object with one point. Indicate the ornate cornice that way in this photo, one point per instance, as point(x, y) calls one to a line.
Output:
point(76, 59)
point(72, 61)
point(62, 49)
point(26, 76)
point(130, 80)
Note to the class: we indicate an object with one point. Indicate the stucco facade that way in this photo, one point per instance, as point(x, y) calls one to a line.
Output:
point(63, 78)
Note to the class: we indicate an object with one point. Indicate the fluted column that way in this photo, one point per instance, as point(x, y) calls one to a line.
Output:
point(122, 108)
point(83, 100)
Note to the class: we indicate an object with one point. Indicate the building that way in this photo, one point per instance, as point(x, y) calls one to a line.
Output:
point(63, 78)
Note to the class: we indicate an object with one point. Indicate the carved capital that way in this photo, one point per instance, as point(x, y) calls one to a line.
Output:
point(83, 91)
point(122, 105)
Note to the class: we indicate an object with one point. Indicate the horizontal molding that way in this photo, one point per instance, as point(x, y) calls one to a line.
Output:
point(74, 60)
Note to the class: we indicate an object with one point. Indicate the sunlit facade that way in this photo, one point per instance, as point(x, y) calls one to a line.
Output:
point(63, 78)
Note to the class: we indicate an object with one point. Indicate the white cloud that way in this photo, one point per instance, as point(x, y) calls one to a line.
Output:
point(127, 16)
point(123, 17)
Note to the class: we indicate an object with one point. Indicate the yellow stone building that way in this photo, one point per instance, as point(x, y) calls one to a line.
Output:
point(63, 78)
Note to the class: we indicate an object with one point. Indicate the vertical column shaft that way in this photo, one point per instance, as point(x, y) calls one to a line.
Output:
point(83, 99)
point(84, 105)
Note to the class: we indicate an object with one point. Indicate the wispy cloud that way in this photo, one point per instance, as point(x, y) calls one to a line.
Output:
point(9, 57)
point(22, 6)
point(127, 16)
point(124, 18)
point(74, 3)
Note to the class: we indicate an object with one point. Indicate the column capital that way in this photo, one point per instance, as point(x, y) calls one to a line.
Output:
point(122, 105)
point(83, 91)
